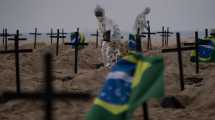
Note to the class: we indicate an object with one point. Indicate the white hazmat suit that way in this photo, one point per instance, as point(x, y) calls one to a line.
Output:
point(109, 51)
point(141, 22)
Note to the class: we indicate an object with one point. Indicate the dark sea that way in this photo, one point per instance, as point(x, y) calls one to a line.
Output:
point(46, 38)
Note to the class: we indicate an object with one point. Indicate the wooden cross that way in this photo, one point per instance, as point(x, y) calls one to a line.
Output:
point(148, 33)
point(2, 35)
point(168, 34)
point(62, 33)
point(48, 96)
point(35, 37)
point(5, 36)
point(165, 34)
point(138, 40)
point(179, 50)
point(206, 33)
point(58, 38)
point(76, 44)
point(139, 49)
point(196, 45)
point(17, 51)
point(50, 35)
point(97, 37)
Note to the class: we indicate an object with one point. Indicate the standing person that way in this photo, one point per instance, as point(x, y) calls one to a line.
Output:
point(141, 21)
point(111, 34)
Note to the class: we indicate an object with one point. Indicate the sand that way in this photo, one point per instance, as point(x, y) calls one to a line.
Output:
point(199, 99)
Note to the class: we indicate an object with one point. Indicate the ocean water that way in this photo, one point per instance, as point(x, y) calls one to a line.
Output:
point(192, 34)
point(46, 38)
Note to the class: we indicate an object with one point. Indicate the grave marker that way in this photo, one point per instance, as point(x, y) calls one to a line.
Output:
point(50, 35)
point(138, 40)
point(165, 34)
point(168, 34)
point(179, 50)
point(206, 33)
point(58, 36)
point(17, 51)
point(196, 44)
point(5, 36)
point(149, 33)
point(97, 37)
point(76, 44)
point(63, 35)
point(139, 49)
point(2, 35)
point(35, 37)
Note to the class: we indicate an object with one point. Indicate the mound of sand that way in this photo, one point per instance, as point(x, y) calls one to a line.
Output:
point(199, 99)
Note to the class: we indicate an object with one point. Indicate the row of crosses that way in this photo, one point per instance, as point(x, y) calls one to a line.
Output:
point(53, 35)
point(165, 34)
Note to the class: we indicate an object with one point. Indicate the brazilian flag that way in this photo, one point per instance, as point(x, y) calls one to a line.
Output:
point(132, 45)
point(132, 81)
point(74, 41)
point(206, 50)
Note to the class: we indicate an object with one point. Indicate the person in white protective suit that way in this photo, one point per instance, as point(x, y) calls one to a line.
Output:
point(112, 36)
point(141, 22)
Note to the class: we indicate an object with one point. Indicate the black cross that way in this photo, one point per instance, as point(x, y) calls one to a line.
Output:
point(179, 50)
point(58, 38)
point(51, 34)
point(196, 45)
point(76, 44)
point(5, 36)
point(35, 37)
point(97, 37)
point(138, 40)
point(149, 33)
point(17, 51)
point(165, 34)
point(206, 33)
point(48, 95)
point(106, 37)
point(2, 35)
point(168, 34)
point(62, 33)
point(139, 49)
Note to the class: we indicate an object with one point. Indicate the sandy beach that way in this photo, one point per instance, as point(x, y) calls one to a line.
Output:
point(197, 98)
